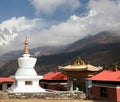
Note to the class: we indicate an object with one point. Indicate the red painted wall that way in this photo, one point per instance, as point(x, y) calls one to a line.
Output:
point(49, 86)
point(118, 94)
point(52, 87)
point(113, 95)
point(95, 92)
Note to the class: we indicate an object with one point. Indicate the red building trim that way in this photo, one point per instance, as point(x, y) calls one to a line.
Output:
point(54, 76)
point(107, 75)
point(6, 79)
point(54, 81)
point(106, 85)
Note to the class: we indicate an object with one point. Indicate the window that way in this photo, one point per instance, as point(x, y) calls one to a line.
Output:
point(28, 82)
point(103, 92)
point(45, 86)
point(9, 85)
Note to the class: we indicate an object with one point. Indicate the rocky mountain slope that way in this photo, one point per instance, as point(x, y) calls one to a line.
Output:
point(92, 40)
point(40, 51)
point(101, 49)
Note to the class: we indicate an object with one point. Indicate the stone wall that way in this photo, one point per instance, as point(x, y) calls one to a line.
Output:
point(50, 95)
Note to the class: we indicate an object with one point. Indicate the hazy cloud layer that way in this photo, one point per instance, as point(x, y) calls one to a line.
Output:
point(51, 6)
point(102, 15)
point(14, 27)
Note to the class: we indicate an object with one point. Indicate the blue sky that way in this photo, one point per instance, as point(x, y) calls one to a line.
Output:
point(18, 8)
point(54, 22)
point(15, 8)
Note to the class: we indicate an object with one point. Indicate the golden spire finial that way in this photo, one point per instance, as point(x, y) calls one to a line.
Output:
point(88, 62)
point(78, 61)
point(26, 46)
point(116, 66)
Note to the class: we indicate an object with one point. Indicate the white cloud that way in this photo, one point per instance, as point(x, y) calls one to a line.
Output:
point(103, 15)
point(14, 27)
point(50, 6)
point(107, 14)
point(14, 30)
point(20, 23)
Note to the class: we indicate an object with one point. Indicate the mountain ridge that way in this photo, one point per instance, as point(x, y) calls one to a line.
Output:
point(104, 53)
point(91, 40)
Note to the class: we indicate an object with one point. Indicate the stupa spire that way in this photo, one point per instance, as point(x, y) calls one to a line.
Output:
point(26, 51)
point(26, 77)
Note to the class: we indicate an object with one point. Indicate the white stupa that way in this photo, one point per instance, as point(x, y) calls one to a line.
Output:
point(26, 79)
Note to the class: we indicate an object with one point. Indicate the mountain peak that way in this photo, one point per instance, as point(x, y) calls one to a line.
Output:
point(105, 37)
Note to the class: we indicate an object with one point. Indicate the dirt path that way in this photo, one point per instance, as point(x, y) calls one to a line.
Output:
point(42, 100)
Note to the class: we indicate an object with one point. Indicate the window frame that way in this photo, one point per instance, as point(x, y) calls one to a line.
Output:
point(104, 92)
point(28, 83)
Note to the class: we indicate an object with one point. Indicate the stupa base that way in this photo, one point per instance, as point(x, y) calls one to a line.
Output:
point(15, 89)
point(26, 84)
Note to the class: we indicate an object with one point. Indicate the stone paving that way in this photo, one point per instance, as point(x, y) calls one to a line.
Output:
point(49, 95)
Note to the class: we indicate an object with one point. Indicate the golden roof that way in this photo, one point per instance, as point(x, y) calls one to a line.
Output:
point(79, 65)
point(72, 67)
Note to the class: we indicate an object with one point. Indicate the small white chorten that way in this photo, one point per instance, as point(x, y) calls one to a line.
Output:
point(26, 79)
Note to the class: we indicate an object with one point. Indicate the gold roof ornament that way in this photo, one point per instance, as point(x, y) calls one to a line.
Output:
point(26, 46)
point(116, 66)
point(79, 65)
point(88, 62)
point(78, 61)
